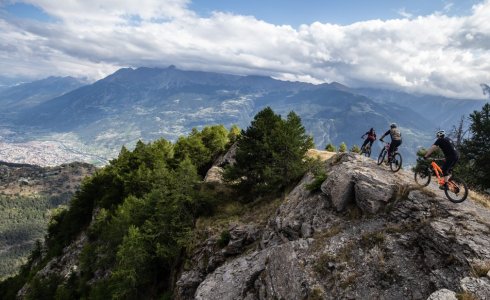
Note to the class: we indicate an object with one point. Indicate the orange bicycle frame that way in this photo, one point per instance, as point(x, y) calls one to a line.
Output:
point(438, 171)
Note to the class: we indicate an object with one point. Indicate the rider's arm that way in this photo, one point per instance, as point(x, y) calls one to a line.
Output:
point(385, 134)
point(430, 150)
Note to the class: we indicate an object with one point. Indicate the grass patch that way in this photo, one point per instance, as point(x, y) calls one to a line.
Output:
point(316, 294)
point(349, 280)
point(480, 269)
point(353, 212)
point(482, 199)
point(371, 239)
point(342, 256)
point(322, 236)
point(316, 184)
point(466, 296)
point(322, 264)
point(401, 227)
point(234, 212)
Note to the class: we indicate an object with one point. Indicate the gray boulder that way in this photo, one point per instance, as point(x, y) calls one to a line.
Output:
point(443, 294)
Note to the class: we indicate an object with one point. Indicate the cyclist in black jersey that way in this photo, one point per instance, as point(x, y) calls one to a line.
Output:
point(450, 154)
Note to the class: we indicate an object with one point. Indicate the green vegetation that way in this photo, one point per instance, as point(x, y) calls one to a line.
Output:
point(224, 239)
point(355, 149)
point(342, 147)
point(319, 176)
point(22, 221)
point(330, 147)
point(270, 154)
point(142, 212)
point(474, 165)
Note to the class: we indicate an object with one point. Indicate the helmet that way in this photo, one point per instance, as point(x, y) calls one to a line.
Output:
point(440, 134)
point(393, 125)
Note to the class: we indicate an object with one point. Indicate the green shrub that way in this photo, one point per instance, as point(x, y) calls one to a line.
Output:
point(224, 239)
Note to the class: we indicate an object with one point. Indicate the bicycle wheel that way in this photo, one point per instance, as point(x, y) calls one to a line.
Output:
point(457, 190)
point(366, 152)
point(422, 177)
point(396, 162)
point(381, 156)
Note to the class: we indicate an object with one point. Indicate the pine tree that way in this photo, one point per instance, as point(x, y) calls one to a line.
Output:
point(330, 147)
point(342, 147)
point(270, 153)
point(475, 151)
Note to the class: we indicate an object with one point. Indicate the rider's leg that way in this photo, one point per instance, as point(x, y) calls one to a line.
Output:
point(447, 167)
point(394, 144)
point(365, 143)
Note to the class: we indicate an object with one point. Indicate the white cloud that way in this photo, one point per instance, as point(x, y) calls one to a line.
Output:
point(402, 12)
point(431, 54)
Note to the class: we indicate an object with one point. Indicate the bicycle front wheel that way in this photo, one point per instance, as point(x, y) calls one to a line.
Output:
point(422, 177)
point(456, 191)
point(396, 162)
point(381, 156)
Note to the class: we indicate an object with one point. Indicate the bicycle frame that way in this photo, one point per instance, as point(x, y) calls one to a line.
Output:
point(438, 171)
point(440, 178)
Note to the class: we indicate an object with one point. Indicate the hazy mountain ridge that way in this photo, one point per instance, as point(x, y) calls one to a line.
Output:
point(442, 112)
point(31, 94)
point(148, 103)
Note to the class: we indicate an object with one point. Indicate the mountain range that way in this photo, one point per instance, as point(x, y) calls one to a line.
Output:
point(149, 103)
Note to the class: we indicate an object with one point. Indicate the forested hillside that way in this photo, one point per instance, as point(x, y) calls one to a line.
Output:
point(28, 195)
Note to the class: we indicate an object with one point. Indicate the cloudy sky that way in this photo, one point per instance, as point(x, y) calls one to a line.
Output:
point(437, 47)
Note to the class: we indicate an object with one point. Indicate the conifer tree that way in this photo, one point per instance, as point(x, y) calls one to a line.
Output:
point(270, 153)
point(475, 151)
point(342, 147)
point(330, 147)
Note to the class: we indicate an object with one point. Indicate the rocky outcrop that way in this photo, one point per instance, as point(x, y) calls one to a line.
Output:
point(62, 266)
point(369, 234)
point(215, 173)
point(357, 179)
point(443, 294)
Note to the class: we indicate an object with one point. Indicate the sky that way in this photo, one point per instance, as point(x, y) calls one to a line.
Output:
point(439, 47)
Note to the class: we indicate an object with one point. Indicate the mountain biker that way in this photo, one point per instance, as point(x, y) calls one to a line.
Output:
point(371, 137)
point(451, 156)
point(396, 138)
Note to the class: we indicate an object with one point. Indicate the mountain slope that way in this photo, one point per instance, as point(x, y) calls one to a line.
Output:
point(148, 103)
point(444, 113)
point(366, 233)
point(28, 195)
point(27, 95)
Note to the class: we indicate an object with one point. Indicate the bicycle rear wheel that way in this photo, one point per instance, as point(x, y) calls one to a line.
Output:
point(422, 177)
point(366, 152)
point(456, 191)
point(396, 162)
point(381, 156)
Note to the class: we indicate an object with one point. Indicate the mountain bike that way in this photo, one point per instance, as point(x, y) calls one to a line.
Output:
point(396, 158)
point(366, 150)
point(456, 190)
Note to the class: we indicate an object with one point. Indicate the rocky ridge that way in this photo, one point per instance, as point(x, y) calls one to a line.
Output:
point(367, 234)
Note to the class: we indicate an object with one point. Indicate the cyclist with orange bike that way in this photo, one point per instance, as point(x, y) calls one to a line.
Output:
point(450, 154)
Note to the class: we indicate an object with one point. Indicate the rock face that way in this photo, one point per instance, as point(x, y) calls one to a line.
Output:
point(214, 174)
point(369, 234)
